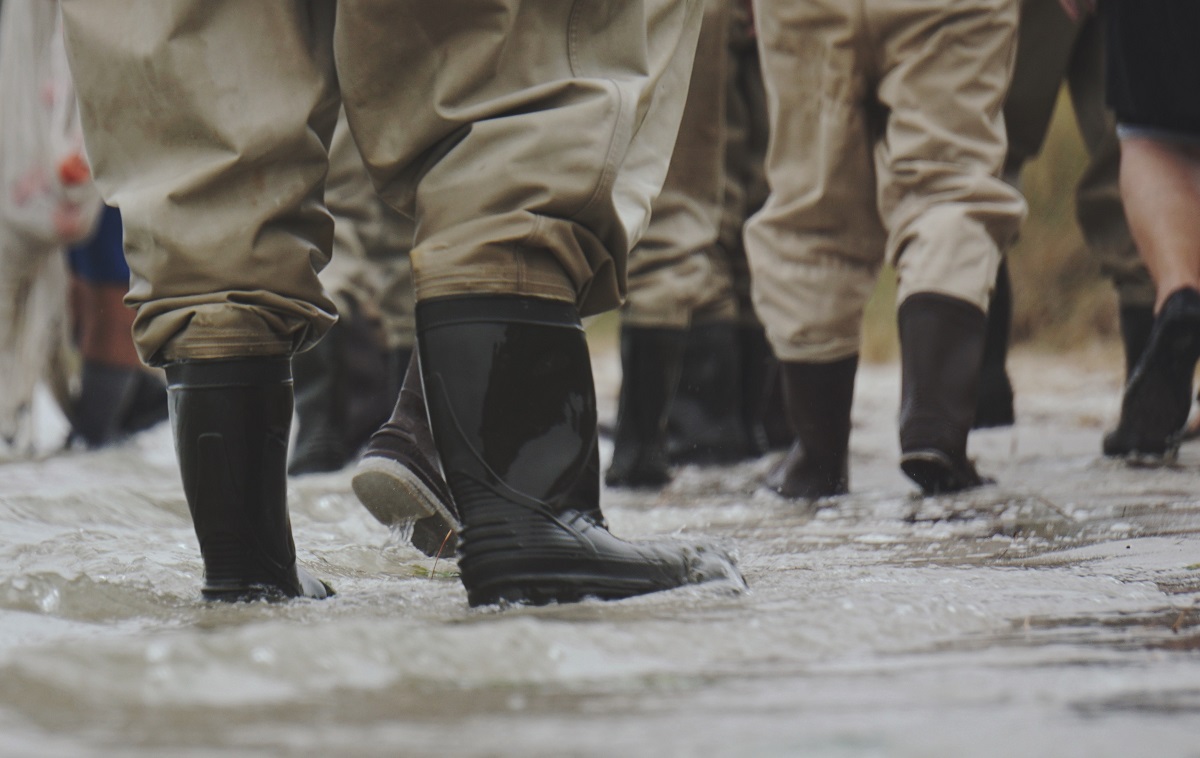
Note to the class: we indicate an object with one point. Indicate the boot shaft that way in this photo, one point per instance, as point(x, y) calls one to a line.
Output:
point(231, 421)
point(941, 351)
point(512, 406)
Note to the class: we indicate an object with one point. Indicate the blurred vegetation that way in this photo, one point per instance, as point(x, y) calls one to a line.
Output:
point(1060, 300)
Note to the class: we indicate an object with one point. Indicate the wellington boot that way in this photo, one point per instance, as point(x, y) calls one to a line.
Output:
point(705, 425)
point(399, 478)
point(148, 405)
point(764, 416)
point(1158, 395)
point(343, 393)
point(231, 421)
point(1136, 321)
point(818, 397)
point(651, 361)
point(105, 393)
point(995, 404)
point(320, 398)
point(511, 402)
point(941, 348)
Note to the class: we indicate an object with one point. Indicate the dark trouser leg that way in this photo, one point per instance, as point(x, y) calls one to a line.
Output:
point(231, 421)
point(512, 405)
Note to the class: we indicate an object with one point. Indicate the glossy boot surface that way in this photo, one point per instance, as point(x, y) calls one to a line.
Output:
point(509, 388)
point(818, 398)
point(1158, 395)
point(651, 362)
point(399, 478)
point(231, 421)
point(941, 347)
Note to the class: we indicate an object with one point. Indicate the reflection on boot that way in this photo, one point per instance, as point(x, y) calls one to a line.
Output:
point(513, 409)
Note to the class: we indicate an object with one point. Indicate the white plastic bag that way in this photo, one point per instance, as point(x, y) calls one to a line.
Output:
point(46, 192)
point(47, 201)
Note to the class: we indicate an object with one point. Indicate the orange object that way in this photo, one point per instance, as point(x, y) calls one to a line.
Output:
point(73, 170)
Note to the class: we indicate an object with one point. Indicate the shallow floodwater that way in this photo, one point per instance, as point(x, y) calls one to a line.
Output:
point(1050, 615)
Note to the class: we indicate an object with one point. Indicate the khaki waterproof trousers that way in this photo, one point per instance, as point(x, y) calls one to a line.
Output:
point(887, 143)
point(746, 134)
point(676, 271)
point(527, 140)
point(371, 246)
point(1052, 49)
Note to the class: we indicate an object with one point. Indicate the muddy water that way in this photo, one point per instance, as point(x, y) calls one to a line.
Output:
point(1053, 614)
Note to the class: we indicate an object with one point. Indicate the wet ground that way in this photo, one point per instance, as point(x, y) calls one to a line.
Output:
point(1053, 614)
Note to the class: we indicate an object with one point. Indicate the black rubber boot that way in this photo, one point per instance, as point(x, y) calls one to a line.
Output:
point(941, 348)
point(818, 397)
point(651, 361)
point(399, 478)
point(1137, 321)
point(320, 397)
point(704, 421)
point(344, 391)
point(1158, 395)
point(508, 385)
point(995, 404)
point(105, 394)
point(231, 421)
point(148, 405)
point(763, 411)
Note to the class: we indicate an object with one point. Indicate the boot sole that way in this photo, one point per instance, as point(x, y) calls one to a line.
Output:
point(394, 495)
point(537, 589)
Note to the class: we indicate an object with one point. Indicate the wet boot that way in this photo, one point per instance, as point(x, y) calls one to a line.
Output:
point(512, 405)
point(764, 416)
point(148, 405)
point(818, 397)
point(105, 393)
point(320, 397)
point(651, 361)
point(941, 348)
point(995, 404)
point(704, 421)
point(1158, 395)
point(1136, 322)
point(371, 386)
point(399, 478)
point(231, 421)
